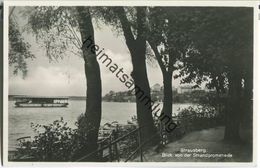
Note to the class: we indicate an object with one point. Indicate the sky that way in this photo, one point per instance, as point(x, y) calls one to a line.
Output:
point(66, 77)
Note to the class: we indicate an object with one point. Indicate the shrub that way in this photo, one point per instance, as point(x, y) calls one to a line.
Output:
point(199, 117)
point(58, 142)
point(53, 142)
point(195, 117)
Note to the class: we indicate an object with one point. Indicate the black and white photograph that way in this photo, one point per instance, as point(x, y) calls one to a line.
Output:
point(129, 82)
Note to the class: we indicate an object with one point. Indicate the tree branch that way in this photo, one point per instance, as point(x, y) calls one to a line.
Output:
point(171, 60)
point(129, 37)
point(158, 56)
point(12, 10)
point(140, 23)
point(75, 34)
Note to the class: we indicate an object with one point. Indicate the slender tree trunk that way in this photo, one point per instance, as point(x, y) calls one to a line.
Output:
point(90, 123)
point(167, 82)
point(247, 64)
point(137, 48)
point(247, 109)
point(248, 99)
point(248, 88)
point(167, 100)
point(233, 116)
point(144, 111)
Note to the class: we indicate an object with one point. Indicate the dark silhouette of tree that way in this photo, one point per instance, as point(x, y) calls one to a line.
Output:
point(169, 42)
point(61, 31)
point(132, 23)
point(223, 51)
point(90, 124)
point(137, 46)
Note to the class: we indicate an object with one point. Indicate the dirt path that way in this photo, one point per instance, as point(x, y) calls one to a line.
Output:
point(198, 145)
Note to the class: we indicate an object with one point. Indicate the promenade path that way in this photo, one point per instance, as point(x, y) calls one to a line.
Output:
point(210, 140)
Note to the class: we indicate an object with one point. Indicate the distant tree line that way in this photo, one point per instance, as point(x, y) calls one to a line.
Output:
point(195, 96)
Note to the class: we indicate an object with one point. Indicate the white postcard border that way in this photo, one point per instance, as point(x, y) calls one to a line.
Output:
point(256, 106)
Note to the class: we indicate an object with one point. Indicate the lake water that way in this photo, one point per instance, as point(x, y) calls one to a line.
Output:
point(20, 119)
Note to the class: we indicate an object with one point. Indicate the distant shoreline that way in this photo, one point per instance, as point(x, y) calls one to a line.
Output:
point(195, 96)
point(11, 97)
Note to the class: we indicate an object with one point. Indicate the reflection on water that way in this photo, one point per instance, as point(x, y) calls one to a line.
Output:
point(20, 119)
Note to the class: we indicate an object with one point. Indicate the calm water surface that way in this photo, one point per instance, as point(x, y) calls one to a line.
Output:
point(20, 119)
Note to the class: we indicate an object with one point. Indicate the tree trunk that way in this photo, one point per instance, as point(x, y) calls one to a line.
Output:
point(143, 106)
point(233, 115)
point(167, 100)
point(166, 114)
point(90, 123)
point(248, 88)
point(248, 99)
point(137, 48)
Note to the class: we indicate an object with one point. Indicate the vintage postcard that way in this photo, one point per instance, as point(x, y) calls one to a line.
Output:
point(148, 83)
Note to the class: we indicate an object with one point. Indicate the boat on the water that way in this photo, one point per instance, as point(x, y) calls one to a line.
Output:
point(33, 101)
